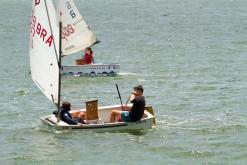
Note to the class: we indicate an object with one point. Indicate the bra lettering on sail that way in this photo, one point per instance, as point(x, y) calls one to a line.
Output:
point(37, 28)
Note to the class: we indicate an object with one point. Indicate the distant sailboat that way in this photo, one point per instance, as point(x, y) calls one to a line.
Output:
point(45, 62)
point(77, 36)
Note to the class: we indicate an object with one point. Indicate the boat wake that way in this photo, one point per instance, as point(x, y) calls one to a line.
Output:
point(127, 73)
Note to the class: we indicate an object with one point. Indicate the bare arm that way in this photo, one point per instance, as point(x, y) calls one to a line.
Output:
point(126, 108)
point(131, 97)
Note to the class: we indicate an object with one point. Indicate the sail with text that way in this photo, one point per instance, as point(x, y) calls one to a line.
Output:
point(43, 48)
point(76, 34)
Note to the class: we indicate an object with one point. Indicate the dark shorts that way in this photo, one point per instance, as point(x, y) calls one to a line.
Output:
point(125, 116)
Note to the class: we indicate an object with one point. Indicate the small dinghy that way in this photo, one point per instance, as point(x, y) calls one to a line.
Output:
point(45, 53)
point(76, 36)
point(98, 120)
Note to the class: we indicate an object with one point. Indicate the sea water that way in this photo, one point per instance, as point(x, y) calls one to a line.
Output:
point(190, 55)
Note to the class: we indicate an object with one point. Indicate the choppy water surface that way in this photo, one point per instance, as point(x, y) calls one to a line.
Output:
point(190, 55)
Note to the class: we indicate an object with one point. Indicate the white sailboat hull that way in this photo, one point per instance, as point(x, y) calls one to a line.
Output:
point(91, 70)
point(103, 124)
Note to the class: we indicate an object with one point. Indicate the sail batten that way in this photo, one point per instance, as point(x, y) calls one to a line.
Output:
point(76, 33)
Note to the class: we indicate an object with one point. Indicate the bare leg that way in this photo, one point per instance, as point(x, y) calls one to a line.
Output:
point(79, 114)
point(115, 114)
point(82, 115)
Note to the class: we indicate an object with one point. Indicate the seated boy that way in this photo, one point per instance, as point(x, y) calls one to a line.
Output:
point(134, 113)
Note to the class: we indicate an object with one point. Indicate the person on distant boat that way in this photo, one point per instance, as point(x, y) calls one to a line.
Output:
point(88, 56)
point(133, 113)
point(67, 117)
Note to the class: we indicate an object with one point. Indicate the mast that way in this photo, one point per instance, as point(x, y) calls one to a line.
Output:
point(59, 74)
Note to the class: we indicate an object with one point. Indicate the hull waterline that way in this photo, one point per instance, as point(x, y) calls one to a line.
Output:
point(91, 70)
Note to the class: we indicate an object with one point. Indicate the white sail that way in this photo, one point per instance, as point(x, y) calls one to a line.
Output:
point(43, 50)
point(76, 34)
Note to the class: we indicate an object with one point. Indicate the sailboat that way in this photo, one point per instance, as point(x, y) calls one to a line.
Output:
point(45, 51)
point(77, 36)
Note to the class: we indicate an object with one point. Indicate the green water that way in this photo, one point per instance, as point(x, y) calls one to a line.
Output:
point(190, 55)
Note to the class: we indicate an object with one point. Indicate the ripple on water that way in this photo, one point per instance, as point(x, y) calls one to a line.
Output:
point(191, 58)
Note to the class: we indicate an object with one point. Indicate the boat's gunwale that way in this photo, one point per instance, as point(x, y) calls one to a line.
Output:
point(84, 126)
point(90, 65)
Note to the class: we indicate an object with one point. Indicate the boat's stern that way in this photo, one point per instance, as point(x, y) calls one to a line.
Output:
point(151, 114)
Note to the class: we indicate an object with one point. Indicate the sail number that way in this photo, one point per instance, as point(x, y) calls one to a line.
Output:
point(67, 31)
point(71, 11)
point(37, 2)
point(41, 31)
